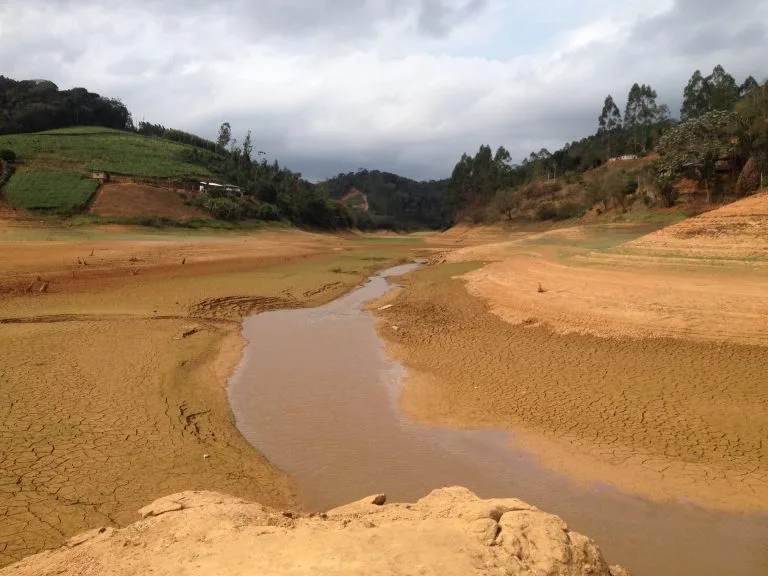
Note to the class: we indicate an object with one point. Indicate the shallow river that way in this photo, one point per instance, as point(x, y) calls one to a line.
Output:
point(316, 394)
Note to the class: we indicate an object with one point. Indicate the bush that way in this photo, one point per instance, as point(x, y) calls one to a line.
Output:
point(8, 156)
point(541, 189)
point(6, 174)
point(749, 179)
point(268, 212)
point(569, 210)
point(546, 211)
point(668, 193)
point(632, 187)
point(647, 200)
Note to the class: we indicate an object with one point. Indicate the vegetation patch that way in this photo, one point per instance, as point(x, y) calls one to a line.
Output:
point(49, 191)
point(103, 150)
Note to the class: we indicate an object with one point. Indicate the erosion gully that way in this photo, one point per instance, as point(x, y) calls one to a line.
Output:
point(317, 395)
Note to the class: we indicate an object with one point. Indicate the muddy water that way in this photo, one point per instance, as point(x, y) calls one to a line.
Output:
point(316, 394)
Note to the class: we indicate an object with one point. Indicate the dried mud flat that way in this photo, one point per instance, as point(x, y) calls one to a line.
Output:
point(113, 377)
point(610, 368)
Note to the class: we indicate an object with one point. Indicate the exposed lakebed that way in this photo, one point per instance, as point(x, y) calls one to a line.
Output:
point(317, 395)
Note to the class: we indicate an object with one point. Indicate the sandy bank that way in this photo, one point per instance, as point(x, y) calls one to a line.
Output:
point(666, 418)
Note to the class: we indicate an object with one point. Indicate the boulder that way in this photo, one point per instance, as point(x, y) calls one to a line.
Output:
point(450, 532)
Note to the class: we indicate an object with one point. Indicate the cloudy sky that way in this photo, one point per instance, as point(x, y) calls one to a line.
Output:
point(402, 85)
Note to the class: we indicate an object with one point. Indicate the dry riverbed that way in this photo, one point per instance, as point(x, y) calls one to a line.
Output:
point(114, 372)
point(613, 368)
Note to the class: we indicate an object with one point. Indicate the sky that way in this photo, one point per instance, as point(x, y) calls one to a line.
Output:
point(329, 86)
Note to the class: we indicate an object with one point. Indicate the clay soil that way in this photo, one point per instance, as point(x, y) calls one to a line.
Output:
point(126, 200)
point(117, 344)
point(612, 364)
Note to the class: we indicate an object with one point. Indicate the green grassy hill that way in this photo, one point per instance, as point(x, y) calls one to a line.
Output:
point(102, 149)
point(51, 165)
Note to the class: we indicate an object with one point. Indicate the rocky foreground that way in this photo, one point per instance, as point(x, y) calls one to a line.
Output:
point(450, 532)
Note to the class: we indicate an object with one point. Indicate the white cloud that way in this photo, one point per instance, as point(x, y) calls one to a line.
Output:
point(334, 85)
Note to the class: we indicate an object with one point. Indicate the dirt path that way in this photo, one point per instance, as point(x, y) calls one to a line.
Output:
point(653, 378)
point(114, 382)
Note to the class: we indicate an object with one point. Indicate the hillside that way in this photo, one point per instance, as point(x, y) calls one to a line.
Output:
point(59, 172)
point(450, 532)
point(391, 201)
point(96, 149)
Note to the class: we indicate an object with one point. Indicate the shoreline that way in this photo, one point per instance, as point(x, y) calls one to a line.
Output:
point(436, 393)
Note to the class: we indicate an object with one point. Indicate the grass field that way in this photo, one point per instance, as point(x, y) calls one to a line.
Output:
point(102, 149)
point(48, 190)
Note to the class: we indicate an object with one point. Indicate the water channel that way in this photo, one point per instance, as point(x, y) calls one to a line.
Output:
point(317, 395)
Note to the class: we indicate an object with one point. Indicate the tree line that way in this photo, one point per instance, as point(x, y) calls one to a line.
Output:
point(38, 105)
point(268, 191)
point(720, 119)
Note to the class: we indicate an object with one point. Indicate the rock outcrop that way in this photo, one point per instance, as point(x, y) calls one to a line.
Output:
point(450, 532)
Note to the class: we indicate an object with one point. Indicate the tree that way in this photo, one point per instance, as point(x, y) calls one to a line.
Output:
point(247, 147)
point(609, 121)
point(663, 115)
point(695, 98)
point(697, 145)
point(722, 88)
point(749, 84)
point(718, 91)
point(632, 113)
point(646, 111)
point(753, 126)
point(508, 202)
point(225, 135)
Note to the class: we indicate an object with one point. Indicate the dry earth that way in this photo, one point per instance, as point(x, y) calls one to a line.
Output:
point(738, 230)
point(630, 370)
point(141, 200)
point(113, 373)
point(450, 532)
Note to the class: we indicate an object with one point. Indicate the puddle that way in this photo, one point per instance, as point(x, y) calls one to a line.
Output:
point(316, 394)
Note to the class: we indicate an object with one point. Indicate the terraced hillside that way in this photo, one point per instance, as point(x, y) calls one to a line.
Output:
point(53, 167)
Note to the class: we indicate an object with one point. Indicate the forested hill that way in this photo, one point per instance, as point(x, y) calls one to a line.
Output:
point(720, 144)
point(37, 105)
point(394, 202)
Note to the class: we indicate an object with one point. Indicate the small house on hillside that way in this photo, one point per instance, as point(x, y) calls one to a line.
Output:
point(623, 158)
point(102, 177)
point(216, 187)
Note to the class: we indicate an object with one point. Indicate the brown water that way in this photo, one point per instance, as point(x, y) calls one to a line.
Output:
point(316, 394)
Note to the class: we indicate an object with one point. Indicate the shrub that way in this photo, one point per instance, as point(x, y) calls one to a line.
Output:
point(632, 186)
point(749, 179)
point(8, 156)
point(546, 211)
point(268, 212)
point(647, 200)
point(541, 189)
point(569, 210)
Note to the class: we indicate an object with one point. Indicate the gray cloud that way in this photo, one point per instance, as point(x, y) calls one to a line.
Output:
point(335, 85)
